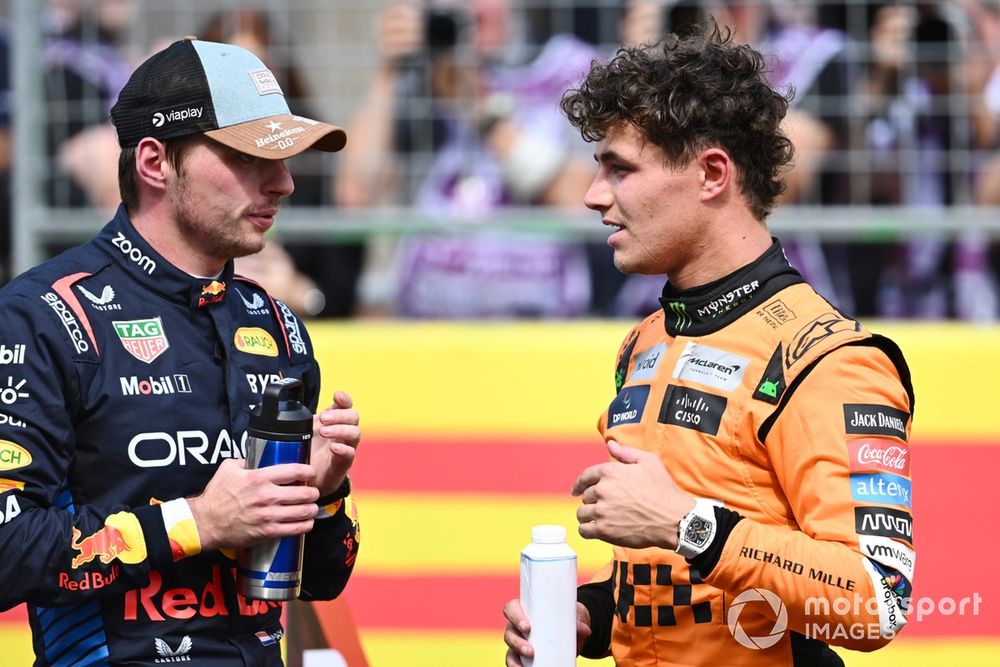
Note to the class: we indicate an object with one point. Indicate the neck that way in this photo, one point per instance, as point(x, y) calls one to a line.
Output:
point(724, 248)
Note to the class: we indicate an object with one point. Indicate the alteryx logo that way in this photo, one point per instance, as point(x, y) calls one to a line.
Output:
point(628, 406)
point(883, 488)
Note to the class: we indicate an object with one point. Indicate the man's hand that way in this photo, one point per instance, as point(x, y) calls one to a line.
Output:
point(240, 507)
point(631, 501)
point(518, 626)
point(336, 435)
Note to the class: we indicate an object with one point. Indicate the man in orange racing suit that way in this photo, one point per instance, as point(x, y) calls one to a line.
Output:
point(758, 492)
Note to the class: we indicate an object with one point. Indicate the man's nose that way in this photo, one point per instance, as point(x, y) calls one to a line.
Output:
point(279, 181)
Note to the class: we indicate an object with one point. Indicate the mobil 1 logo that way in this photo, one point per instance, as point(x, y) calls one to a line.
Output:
point(693, 409)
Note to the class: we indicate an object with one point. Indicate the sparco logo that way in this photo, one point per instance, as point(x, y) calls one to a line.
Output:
point(159, 449)
point(728, 301)
point(155, 386)
point(884, 522)
point(160, 119)
point(133, 253)
point(69, 322)
point(292, 327)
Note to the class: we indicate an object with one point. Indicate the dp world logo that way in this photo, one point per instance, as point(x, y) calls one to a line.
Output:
point(158, 119)
point(764, 641)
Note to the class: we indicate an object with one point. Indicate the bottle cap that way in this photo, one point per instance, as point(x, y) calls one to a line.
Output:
point(548, 534)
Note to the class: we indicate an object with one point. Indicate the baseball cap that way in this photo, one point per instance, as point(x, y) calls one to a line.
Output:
point(222, 91)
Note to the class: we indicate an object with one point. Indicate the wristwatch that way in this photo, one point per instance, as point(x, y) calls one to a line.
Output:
point(696, 528)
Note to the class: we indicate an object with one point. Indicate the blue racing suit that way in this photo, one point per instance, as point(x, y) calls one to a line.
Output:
point(124, 382)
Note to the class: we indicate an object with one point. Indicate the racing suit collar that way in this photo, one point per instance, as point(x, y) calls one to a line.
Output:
point(702, 310)
point(129, 250)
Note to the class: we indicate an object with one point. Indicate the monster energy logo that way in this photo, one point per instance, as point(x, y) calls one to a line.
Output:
point(683, 319)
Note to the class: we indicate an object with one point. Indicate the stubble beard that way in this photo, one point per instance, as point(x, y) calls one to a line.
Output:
point(222, 239)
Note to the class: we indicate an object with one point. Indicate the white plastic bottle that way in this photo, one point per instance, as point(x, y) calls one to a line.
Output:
point(548, 597)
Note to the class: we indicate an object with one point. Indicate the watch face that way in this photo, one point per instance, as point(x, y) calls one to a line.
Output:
point(698, 531)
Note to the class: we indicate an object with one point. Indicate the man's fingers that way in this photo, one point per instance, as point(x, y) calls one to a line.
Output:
point(587, 478)
point(334, 415)
point(623, 453)
point(346, 433)
point(286, 473)
point(342, 399)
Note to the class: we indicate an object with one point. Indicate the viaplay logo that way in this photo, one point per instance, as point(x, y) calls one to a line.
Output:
point(763, 641)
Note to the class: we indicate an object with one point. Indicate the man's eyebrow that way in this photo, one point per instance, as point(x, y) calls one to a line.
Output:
point(608, 156)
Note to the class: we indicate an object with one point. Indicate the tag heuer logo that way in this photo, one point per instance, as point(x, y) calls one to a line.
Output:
point(143, 339)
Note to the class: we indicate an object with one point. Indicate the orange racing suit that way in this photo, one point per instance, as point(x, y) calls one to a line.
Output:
point(758, 394)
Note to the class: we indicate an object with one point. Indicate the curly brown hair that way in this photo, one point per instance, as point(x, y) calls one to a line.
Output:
point(689, 93)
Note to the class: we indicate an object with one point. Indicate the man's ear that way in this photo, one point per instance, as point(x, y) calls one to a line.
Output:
point(151, 163)
point(717, 171)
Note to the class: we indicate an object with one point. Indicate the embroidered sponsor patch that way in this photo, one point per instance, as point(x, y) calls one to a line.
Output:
point(873, 419)
point(628, 406)
point(881, 488)
point(143, 339)
point(814, 333)
point(884, 522)
point(13, 455)
point(693, 409)
point(879, 455)
point(254, 340)
point(710, 366)
point(647, 362)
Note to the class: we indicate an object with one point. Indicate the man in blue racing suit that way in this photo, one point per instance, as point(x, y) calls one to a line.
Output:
point(127, 370)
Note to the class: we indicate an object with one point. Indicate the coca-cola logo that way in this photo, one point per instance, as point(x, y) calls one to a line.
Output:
point(878, 454)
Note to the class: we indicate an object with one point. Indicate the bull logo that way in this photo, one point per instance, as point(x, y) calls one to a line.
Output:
point(213, 292)
point(214, 288)
point(106, 544)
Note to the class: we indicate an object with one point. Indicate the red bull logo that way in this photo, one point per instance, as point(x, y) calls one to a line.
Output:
point(214, 288)
point(106, 544)
point(211, 293)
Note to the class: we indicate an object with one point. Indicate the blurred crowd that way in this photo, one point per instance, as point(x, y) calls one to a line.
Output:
point(895, 104)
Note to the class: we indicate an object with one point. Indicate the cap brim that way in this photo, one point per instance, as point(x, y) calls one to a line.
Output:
point(280, 137)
